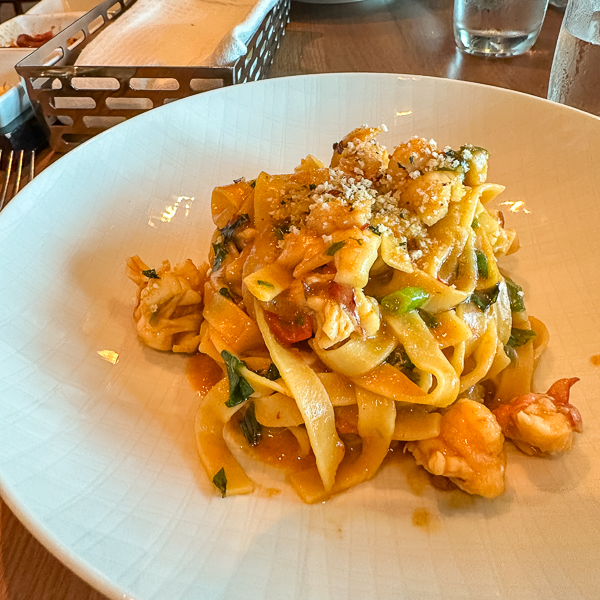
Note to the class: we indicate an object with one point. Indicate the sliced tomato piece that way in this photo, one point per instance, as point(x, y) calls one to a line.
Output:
point(289, 331)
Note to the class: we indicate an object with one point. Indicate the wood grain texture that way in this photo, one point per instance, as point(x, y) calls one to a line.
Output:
point(392, 36)
point(403, 36)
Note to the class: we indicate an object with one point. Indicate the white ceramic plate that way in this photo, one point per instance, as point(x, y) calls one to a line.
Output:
point(98, 459)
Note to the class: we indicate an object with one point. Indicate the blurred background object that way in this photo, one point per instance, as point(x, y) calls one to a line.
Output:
point(10, 8)
point(575, 73)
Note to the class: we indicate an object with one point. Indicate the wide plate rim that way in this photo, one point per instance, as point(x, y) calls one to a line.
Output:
point(52, 543)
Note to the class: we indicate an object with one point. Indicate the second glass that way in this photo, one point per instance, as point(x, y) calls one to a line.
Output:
point(575, 75)
point(497, 28)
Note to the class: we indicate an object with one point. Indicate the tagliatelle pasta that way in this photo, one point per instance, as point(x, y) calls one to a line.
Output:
point(356, 308)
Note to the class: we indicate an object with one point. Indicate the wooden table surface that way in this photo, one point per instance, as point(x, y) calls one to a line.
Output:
point(387, 36)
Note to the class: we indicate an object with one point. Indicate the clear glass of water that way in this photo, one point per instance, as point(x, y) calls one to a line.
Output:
point(497, 28)
point(575, 74)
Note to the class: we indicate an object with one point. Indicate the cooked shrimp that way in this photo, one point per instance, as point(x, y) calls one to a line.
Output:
point(469, 449)
point(542, 424)
point(169, 309)
point(358, 154)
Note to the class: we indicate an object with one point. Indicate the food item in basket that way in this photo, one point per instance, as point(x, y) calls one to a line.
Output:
point(25, 40)
point(356, 309)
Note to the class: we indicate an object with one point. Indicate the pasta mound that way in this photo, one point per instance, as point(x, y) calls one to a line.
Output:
point(356, 309)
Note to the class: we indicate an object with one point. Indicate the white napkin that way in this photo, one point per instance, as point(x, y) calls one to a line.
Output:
point(178, 33)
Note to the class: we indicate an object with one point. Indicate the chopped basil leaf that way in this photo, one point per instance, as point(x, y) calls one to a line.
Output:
point(375, 229)
point(220, 481)
point(404, 300)
point(150, 274)
point(281, 230)
point(220, 255)
point(272, 373)
point(265, 284)
point(475, 223)
point(411, 159)
point(400, 359)
point(475, 150)
point(312, 186)
point(300, 319)
point(250, 427)
point(429, 319)
point(335, 247)
point(483, 299)
point(515, 294)
point(482, 264)
point(239, 389)
point(511, 353)
point(358, 241)
point(253, 183)
point(229, 230)
point(225, 293)
point(462, 165)
point(519, 337)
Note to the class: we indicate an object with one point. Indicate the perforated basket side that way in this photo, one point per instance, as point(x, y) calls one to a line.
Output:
point(74, 103)
point(261, 48)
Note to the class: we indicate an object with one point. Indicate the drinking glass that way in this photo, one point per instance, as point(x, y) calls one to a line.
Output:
point(575, 74)
point(497, 27)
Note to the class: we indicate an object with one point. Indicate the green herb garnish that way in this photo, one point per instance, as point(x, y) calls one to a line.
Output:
point(281, 230)
point(312, 186)
point(225, 293)
point(220, 255)
point(483, 299)
point(404, 300)
point(482, 264)
point(335, 247)
point(272, 372)
point(429, 319)
point(375, 229)
point(265, 284)
point(515, 294)
point(150, 274)
point(519, 337)
point(220, 481)
point(401, 361)
point(229, 230)
point(239, 389)
point(250, 427)
point(475, 223)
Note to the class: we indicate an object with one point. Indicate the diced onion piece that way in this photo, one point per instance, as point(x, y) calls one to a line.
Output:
point(277, 410)
point(268, 282)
